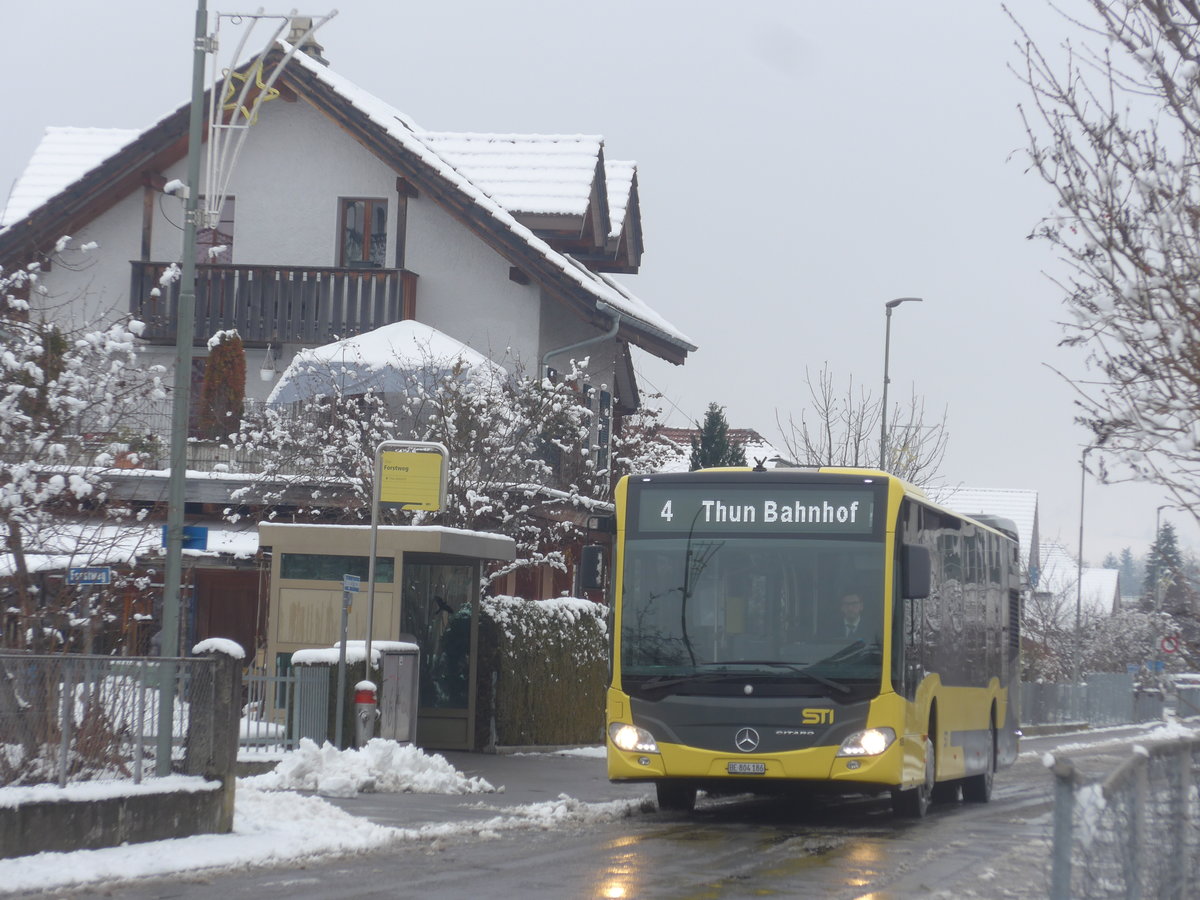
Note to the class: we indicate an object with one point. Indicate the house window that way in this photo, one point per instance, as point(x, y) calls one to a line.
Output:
point(363, 233)
point(215, 245)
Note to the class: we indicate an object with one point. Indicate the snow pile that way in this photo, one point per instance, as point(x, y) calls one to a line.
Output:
point(381, 766)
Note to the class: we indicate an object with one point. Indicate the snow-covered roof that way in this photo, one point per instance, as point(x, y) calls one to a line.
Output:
point(754, 444)
point(525, 173)
point(1060, 577)
point(63, 156)
point(88, 544)
point(618, 175)
point(384, 359)
point(1019, 506)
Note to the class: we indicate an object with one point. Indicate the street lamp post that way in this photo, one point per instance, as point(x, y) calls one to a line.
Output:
point(887, 346)
point(1079, 568)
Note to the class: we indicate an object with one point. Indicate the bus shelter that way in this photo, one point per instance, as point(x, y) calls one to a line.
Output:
point(427, 592)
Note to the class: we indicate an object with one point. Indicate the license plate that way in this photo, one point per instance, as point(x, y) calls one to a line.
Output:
point(746, 768)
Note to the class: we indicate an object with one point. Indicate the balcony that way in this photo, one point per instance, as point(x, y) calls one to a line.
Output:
point(281, 304)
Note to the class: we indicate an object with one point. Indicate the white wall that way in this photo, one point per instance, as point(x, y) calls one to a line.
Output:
point(92, 288)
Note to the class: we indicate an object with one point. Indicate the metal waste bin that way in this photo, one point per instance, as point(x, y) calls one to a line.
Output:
point(398, 694)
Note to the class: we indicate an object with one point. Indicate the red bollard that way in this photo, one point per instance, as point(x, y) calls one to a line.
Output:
point(365, 712)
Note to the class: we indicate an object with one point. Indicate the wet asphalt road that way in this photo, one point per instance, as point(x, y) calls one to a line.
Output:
point(733, 847)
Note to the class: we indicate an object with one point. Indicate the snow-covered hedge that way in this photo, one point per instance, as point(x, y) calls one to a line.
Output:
point(550, 658)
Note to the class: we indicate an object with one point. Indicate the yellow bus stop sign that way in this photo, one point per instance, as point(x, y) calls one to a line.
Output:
point(412, 480)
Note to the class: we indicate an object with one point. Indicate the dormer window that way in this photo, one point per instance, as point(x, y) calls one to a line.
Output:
point(363, 232)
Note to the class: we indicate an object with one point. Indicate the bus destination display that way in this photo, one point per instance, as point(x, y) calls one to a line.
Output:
point(801, 509)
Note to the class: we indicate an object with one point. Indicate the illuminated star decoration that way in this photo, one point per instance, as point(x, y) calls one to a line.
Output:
point(264, 94)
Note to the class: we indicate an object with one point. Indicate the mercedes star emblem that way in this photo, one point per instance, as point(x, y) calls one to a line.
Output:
point(746, 740)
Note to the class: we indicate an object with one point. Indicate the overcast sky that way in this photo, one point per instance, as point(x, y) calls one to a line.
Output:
point(800, 163)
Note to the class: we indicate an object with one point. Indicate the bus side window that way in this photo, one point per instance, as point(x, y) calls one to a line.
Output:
point(914, 671)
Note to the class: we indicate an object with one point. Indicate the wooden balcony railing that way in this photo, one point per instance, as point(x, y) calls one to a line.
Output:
point(292, 304)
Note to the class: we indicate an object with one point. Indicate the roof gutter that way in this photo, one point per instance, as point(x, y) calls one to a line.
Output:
point(612, 331)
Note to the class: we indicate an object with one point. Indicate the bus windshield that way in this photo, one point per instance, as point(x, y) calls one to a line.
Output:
point(802, 608)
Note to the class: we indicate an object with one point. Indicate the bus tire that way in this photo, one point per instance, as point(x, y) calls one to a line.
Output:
point(978, 788)
point(674, 796)
point(914, 802)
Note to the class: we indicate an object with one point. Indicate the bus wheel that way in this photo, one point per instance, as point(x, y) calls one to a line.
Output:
point(978, 788)
point(914, 803)
point(674, 796)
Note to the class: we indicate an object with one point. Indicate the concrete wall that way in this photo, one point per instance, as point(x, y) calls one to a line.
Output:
point(155, 810)
point(65, 825)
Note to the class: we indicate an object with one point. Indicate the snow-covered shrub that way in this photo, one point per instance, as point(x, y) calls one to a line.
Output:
point(550, 660)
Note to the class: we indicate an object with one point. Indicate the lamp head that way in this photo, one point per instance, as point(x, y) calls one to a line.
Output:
point(892, 304)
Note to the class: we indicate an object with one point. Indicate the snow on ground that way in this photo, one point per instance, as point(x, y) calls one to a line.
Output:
point(274, 826)
point(381, 766)
point(597, 752)
point(1096, 738)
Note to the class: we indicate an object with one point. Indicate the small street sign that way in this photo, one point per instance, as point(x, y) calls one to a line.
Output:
point(195, 537)
point(351, 583)
point(89, 575)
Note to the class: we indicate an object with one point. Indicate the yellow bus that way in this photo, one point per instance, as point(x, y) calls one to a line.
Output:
point(820, 628)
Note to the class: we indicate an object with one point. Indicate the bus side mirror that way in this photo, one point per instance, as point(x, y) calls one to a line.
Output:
point(915, 573)
point(591, 568)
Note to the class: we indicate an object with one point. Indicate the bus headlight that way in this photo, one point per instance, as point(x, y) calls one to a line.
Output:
point(632, 738)
point(871, 742)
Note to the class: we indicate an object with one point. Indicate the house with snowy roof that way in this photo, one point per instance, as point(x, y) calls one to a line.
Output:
point(342, 215)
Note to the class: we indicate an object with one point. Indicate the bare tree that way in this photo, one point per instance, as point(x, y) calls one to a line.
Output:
point(842, 429)
point(1114, 129)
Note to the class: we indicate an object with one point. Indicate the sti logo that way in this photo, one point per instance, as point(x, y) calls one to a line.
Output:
point(818, 716)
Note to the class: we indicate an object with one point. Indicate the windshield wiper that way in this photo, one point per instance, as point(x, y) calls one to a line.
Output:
point(820, 679)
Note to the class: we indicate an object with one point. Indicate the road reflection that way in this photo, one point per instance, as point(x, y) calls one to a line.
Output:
point(619, 879)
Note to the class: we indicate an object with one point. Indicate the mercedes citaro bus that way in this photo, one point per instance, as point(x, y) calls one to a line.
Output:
point(736, 670)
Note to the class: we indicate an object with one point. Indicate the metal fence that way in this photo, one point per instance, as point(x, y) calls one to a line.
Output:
point(69, 717)
point(281, 709)
point(1187, 702)
point(1105, 698)
point(1135, 834)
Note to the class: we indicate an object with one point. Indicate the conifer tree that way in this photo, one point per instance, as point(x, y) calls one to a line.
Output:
point(713, 447)
point(1128, 569)
point(1167, 586)
point(223, 393)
